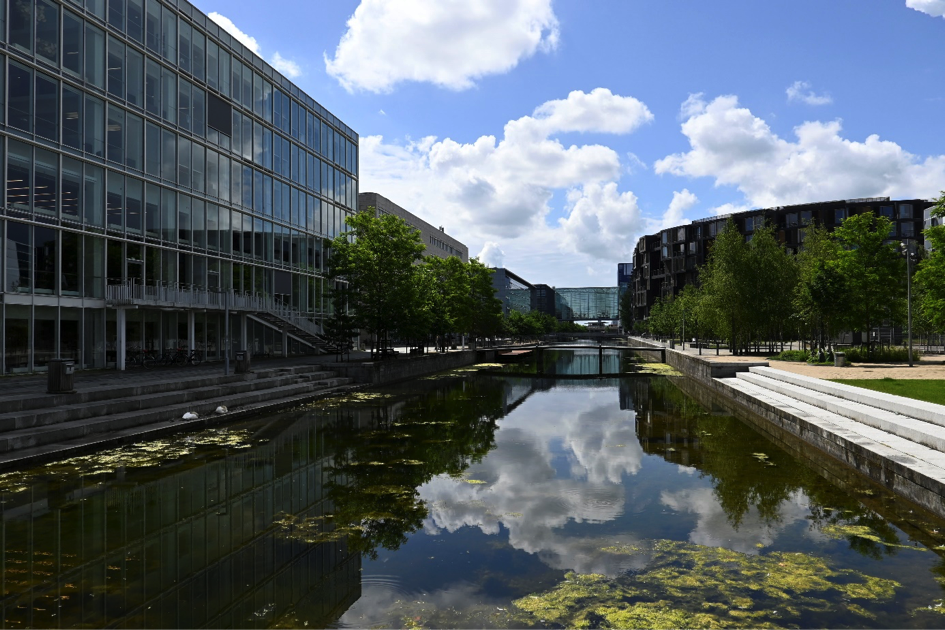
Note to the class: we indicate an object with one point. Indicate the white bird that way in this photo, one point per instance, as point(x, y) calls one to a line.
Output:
point(221, 410)
point(190, 415)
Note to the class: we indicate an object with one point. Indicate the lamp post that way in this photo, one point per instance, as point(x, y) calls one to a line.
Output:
point(906, 248)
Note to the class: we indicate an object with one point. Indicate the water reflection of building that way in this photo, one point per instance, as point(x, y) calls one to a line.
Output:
point(192, 543)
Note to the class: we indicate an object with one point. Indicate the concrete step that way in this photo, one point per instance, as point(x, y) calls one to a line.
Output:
point(114, 437)
point(63, 432)
point(140, 403)
point(911, 456)
point(921, 410)
point(159, 382)
point(904, 426)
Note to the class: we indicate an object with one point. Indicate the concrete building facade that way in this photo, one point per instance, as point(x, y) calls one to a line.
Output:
point(437, 241)
point(665, 262)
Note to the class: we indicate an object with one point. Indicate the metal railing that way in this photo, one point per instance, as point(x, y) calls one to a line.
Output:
point(185, 296)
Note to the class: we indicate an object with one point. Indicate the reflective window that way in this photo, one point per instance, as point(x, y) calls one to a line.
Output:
point(183, 218)
point(198, 229)
point(45, 259)
point(71, 278)
point(198, 47)
point(19, 175)
point(152, 87)
point(116, 68)
point(153, 27)
point(905, 211)
point(116, 14)
point(95, 56)
point(97, 8)
point(134, 204)
point(19, 258)
point(20, 101)
point(134, 78)
point(198, 107)
point(169, 216)
point(183, 101)
point(93, 196)
point(153, 211)
point(72, 43)
point(21, 25)
point(168, 155)
point(184, 52)
point(152, 155)
point(47, 107)
point(197, 168)
point(213, 65)
point(71, 195)
point(94, 126)
point(116, 130)
point(213, 234)
point(46, 182)
point(47, 31)
point(183, 162)
point(224, 178)
point(224, 72)
point(115, 200)
point(168, 34)
point(136, 20)
point(168, 95)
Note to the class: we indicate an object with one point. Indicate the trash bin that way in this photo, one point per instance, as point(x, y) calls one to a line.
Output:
point(242, 361)
point(839, 359)
point(59, 377)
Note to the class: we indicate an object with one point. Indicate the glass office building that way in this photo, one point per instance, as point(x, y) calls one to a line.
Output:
point(157, 173)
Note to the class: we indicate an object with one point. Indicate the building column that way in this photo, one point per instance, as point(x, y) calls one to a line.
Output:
point(120, 325)
point(191, 328)
point(244, 332)
point(285, 342)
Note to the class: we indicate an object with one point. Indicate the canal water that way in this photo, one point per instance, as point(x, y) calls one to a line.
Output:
point(488, 497)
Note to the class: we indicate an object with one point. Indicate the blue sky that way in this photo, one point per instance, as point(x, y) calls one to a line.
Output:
point(548, 135)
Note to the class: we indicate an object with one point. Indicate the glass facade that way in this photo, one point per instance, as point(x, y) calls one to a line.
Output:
point(143, 146)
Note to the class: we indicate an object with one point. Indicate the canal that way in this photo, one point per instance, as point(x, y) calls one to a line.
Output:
point(497, 496)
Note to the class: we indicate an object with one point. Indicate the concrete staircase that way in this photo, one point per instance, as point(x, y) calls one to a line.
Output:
point(898, 441)
point(39, 427)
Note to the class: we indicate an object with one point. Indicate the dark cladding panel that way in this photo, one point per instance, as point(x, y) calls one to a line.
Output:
point(219, 115)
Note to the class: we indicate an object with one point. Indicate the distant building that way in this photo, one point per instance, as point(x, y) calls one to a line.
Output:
point(665, 262)
point(513, 291)
point(437, 241)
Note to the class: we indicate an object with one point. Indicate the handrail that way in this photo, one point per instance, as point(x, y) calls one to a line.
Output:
point(188, 296)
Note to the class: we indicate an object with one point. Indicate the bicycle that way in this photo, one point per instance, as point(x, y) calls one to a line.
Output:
point(140, 357)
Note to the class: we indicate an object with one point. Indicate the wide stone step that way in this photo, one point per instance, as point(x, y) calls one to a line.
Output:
point(919, 409)
point(77, 429)
point(919, 431)
point(160, 382)
point(141, 403)
point(913, 460)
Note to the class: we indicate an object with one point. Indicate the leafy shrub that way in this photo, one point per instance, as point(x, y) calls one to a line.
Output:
point(791, 355)
point(896, 354)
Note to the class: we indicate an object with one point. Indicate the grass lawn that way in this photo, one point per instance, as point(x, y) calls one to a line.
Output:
point(929, 390)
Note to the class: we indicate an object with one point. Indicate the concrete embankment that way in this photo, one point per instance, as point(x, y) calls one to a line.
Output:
point(110, 409)
point(894, 441)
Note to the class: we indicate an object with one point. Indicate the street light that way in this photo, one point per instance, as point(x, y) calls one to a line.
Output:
point(906, 249)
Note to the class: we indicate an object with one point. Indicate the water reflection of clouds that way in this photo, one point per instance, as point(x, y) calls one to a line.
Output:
point(714, 529)
point(527, 495)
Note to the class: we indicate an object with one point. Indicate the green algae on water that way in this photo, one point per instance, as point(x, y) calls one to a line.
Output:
point(839, 531)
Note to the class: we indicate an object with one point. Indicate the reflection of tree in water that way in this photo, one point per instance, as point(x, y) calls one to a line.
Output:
point(382, 451)
point(748, 470)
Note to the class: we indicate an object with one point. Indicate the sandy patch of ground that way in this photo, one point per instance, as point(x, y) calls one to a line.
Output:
point(926, 369)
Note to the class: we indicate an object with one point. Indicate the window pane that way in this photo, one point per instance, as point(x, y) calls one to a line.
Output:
point(116, 68)
point(169, 35)
point(224, 178)
point(168, 95)
point(116, 130)
point(198, 56)
point(199, 228)
point(47, 107)
point(197, 168)
point(183, 214)
point(153, 211)
point(133, 204)
point(198, 107)
point(152, 88)
point(46, 183)
point(152, 142)
point(236, 80)
point(45, 254)
point(213, 65)
point(19, 175)
point(21, 25)
point(134, 78)
point(136, 20)
point(169, 216)
point(94, 126)
point(184, 104)
point(224, 72)
point(93, 197)
point(184, 52)
point(168, 155)
point(95, 56)
point(183, 161)
point(114, 200)
point(47, 31)
point(134, 145)
point(97, 7)
point(71, 43)
point(116, 14)
point(71, 266)
point(20, 113)
point(19, 258)
point(71, 188)
point(153, 27)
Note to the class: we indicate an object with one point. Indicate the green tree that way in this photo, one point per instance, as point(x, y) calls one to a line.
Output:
point(485, 308)
point(771, 277)
point(625, 309)
point(930, 277)
point(872, 271)
point(376, 257)
point(340, 326)
point(821, 290)
point(727, 287)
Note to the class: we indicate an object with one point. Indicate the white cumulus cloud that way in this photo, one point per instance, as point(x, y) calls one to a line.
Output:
point(602, 221)
point(492, 255)
point(287, 67)
point(502, 187)
point(736, 148)
point(935, 8)
point(449, 43)
point(802, 91)
point(682, 201)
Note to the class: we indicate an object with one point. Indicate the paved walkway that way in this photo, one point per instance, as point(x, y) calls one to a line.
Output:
point(928, 367)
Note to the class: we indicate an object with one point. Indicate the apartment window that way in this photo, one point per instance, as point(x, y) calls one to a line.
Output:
point(905, 211)
point(134, 78)
point(839, 216)
point(116, 68)
point(886, 211)
point(95, 56)
point(72, 43)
